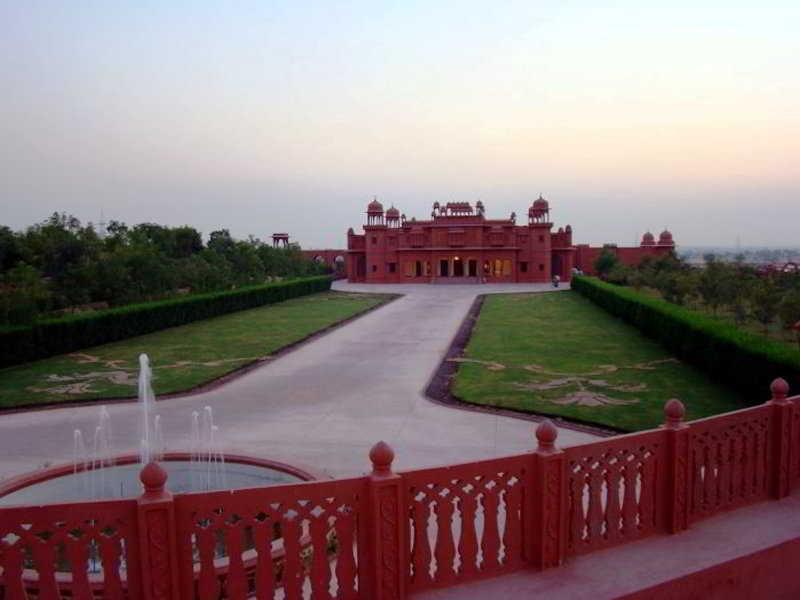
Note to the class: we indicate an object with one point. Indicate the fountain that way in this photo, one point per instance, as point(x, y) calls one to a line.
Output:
point(97, 472)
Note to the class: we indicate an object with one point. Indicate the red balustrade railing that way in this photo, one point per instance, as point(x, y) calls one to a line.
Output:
point(387, 534)
point(301, 538)
point(81, 550)
point(465, 521)
point(615, 490)
point(729, 461)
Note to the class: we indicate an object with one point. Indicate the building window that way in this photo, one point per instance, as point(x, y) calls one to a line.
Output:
point(541, 238)
point(541, 267)
point(523, 267)
point(392, 267)
point(374, 268)
point(374, 240)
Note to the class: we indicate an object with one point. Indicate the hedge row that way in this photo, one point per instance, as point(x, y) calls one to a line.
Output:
point(58, 336)
point(745, 361)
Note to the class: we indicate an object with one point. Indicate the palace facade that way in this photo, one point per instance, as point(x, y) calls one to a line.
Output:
point(460, 244)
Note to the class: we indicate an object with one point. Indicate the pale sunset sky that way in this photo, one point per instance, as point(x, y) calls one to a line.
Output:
point(289, 116)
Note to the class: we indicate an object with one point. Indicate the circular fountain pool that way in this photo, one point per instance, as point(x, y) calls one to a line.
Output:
point(62, 484)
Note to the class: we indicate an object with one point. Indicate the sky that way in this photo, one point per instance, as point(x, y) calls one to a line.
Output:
point(271, 116)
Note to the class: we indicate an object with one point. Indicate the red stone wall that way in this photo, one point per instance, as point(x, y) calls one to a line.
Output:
point(586, 255)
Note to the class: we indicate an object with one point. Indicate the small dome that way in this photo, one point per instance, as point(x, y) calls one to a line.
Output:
point(393, 213)
point(665, 238)
point(648, 239)
point(375, 206)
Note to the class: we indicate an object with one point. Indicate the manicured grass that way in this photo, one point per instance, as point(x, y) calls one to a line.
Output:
point(557, 353)
point(182, 357)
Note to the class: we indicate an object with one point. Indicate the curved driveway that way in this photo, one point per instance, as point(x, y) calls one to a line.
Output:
point(322, 405)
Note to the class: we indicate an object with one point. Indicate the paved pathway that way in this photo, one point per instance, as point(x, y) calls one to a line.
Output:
point(322, 405)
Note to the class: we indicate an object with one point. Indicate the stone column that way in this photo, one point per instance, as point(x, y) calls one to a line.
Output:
point(384, 577)
point(547, 501)
point(158, 554)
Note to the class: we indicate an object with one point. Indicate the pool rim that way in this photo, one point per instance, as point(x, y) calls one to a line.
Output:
point(31, 478)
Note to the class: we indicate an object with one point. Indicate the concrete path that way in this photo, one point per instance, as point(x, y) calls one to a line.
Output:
point(323, 405)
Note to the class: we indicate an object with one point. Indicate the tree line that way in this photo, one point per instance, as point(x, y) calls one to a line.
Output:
point(742, 292)
point(60, 265)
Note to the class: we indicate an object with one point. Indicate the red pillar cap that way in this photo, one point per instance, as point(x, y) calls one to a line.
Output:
point(381, 456)
point(153, 477)
point(546, 433)
point(779, 388)
point(674, 410)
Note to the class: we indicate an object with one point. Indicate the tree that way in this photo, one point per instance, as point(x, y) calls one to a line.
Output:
point(23, 295)
point(765, 299)
point(185, 242)
point(605, 262)
point(220, 241)
point(10, 249)
point(715, 285)
point(789, 308)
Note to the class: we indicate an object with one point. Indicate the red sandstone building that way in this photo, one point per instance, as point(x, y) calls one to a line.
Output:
point(459, 243)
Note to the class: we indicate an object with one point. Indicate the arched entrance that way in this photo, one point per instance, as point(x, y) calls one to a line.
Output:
point(557, 266)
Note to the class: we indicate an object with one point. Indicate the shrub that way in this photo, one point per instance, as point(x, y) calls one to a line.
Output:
point(57, 336)
point(745, 361)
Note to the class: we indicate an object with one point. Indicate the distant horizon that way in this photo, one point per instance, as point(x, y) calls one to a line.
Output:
point(267, 237)
point(261, 117)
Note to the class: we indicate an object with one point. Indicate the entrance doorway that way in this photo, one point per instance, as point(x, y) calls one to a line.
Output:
point(458, 267)
point(473, 268)
point(444, 268)
point(556, 266)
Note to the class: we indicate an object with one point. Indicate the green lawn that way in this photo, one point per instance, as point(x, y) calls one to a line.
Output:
point(559, 354)
point(181, 357)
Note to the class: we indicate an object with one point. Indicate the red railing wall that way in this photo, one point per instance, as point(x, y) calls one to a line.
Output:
point(40, 546)
point(388, 535)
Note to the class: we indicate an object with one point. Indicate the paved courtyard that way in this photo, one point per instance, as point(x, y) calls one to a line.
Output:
point(322, 405)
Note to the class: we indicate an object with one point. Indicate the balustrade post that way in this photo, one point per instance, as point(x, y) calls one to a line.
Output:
point(781, 438)
point(382, 572)
point(546, 525)
point(677, 476)
point(158, 553)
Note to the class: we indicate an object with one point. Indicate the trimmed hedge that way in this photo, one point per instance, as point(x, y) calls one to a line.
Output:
point(58, 336)
point(745, 361)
